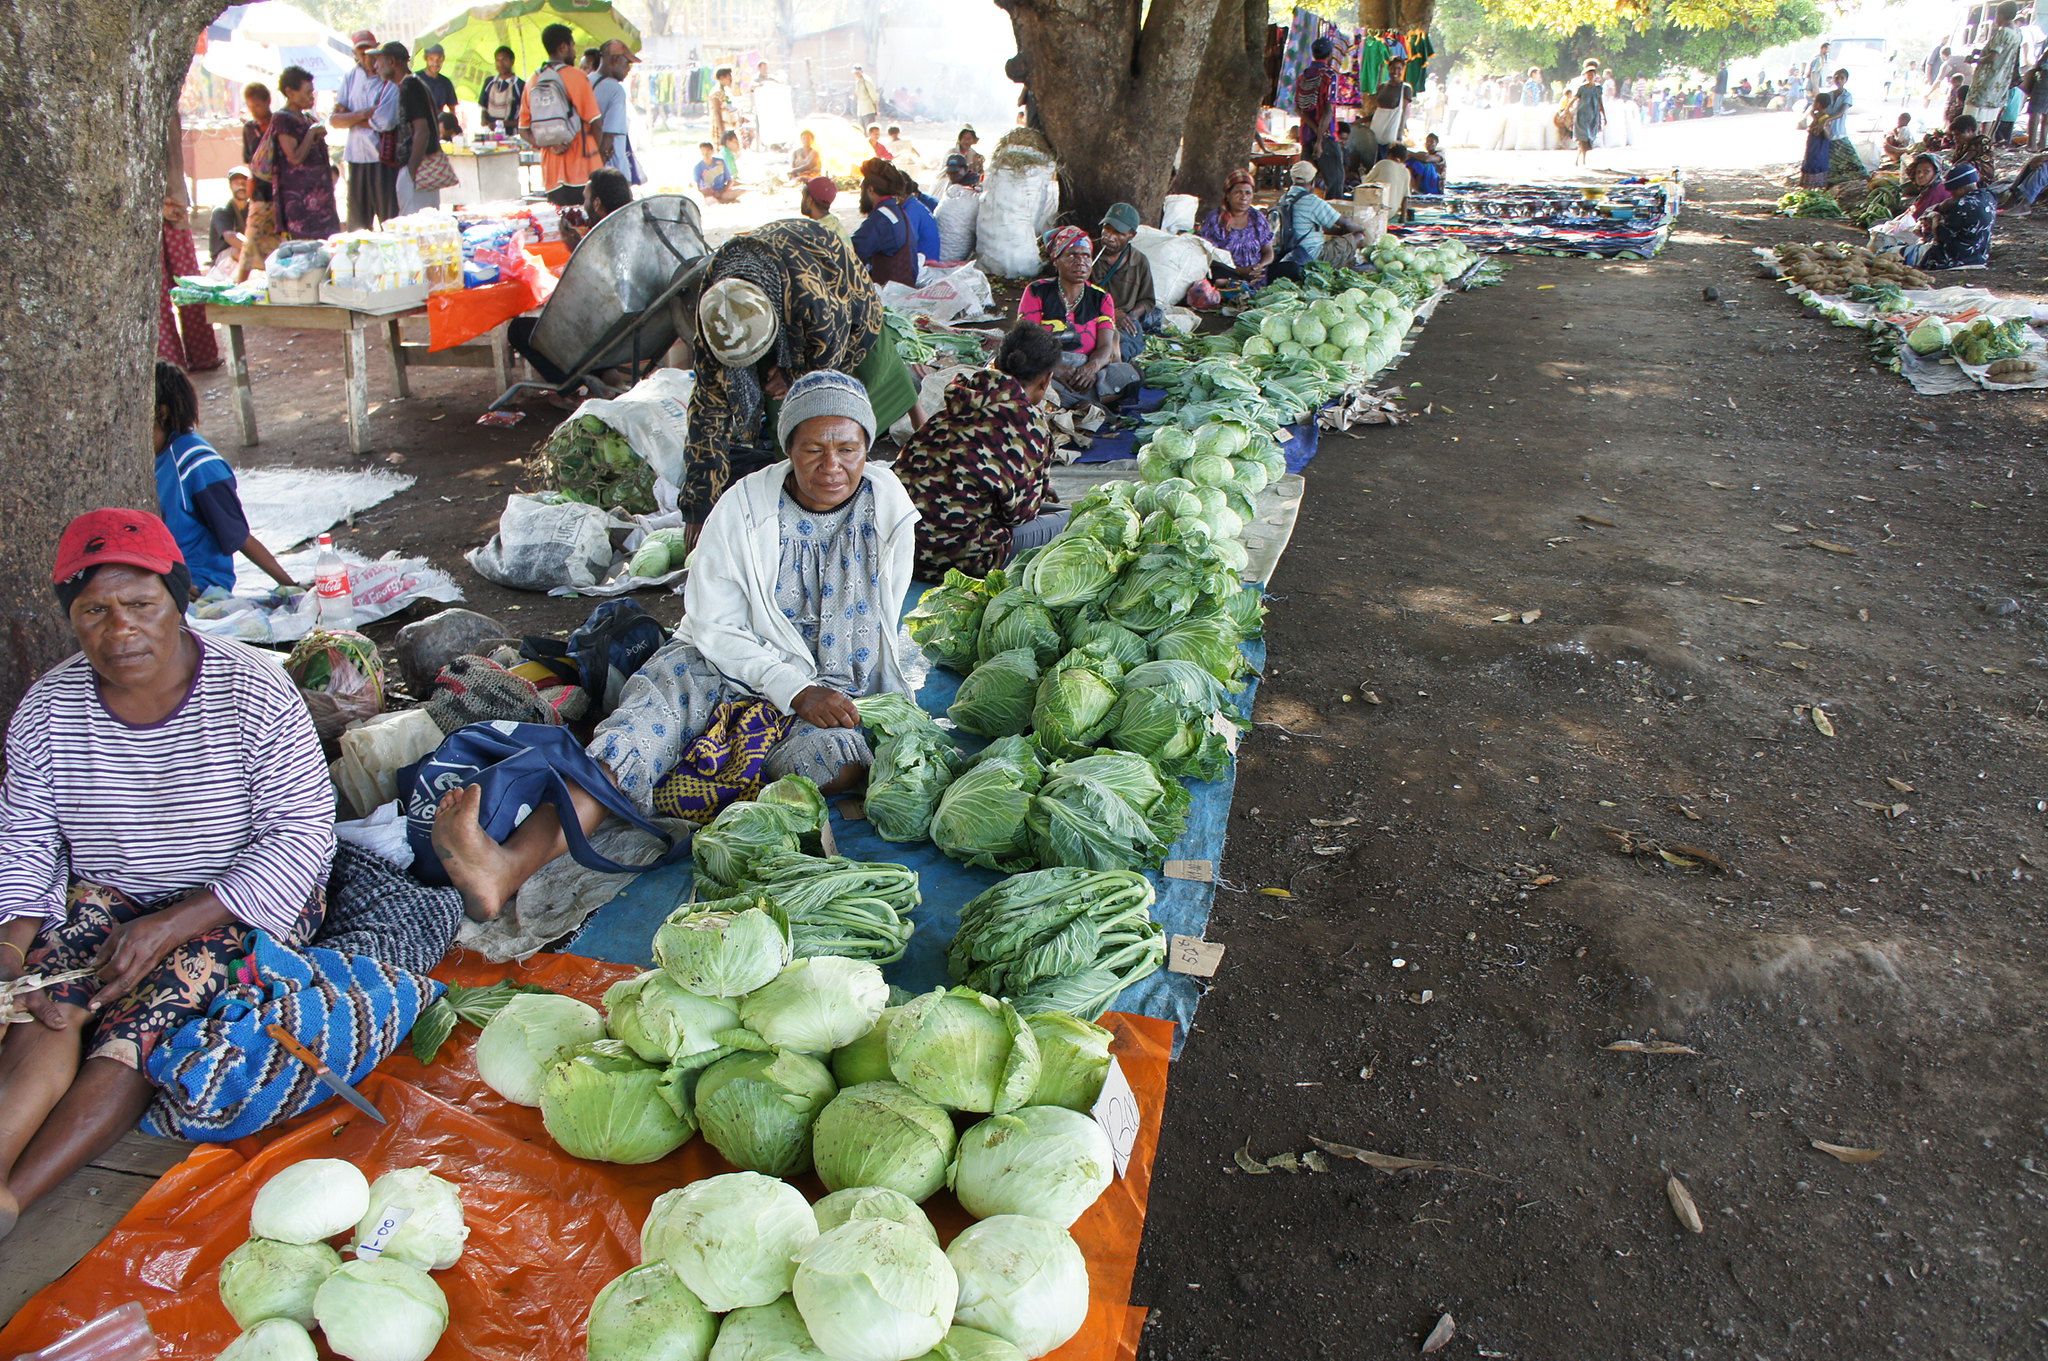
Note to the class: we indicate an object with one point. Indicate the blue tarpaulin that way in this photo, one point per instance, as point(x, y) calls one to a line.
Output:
point(622, 930)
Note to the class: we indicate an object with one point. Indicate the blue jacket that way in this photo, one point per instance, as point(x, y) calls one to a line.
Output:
point(195, 489)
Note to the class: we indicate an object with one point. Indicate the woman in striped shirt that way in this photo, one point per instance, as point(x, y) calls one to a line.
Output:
point(164, 797)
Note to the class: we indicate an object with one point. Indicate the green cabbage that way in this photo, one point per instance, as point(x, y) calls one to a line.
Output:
point(648, 1314)
point(883, 1134)
point(1108, 811)
point(1017, 618)
point(995, 701)
point(867, 1058)
point(433, 1234)
point(783, 817)
point(1074, 702)
point(982, 817)
point(1073, 1060)
point(264, 1278)
point(767, 1332)
point(1072, 570)
point(661, 1021)
point(319, 1197)
point(947, 621)
point(962, 1343)
point(1156, 464)
point(375, 1309)
point(723, 949)
point(601, 1102)
point(1044, 1161)
point(1022, 1279)
point(1174, 441)
point(1220, 439)
point(1106, 637)
point(1168, 715)
point(1212, 642)
point(1205, 470)
point(871, 1202)
point(816, 1005)
point(964, 1050)
point(1115, 524)
point(836, 906)
point(271, 1339)
point(730, 1238)
point(915, 760)
point(874, 1290)
point(1060, 939)
point(757, 1109)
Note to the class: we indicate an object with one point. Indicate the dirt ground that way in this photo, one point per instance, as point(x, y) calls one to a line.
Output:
point(1850, 936)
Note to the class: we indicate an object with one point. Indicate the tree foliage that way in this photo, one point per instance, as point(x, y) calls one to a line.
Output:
point(1474, 32)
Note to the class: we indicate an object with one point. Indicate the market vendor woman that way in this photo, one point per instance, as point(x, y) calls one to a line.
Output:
point(791, 614)
point(783, 301)
point(165, 796)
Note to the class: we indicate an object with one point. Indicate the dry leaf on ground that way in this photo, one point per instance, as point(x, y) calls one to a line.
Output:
point(1441, 1335)
point(1651, 1047)
point(1387, 1162)
point(1847, 1154)
point(1682, 1205)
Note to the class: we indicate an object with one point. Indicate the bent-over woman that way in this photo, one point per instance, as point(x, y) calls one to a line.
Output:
point(795, 590)
point(164, 797)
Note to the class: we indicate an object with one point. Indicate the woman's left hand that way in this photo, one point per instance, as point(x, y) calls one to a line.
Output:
point(135, 947)
point(823, 707)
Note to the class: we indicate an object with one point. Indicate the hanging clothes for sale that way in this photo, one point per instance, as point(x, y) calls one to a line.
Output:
point(1372, 61)
point(1420, 50)
point(1345, 91)
point(1302, 31)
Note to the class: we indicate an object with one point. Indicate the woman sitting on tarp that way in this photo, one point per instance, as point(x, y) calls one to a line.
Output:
point(1239, 227)
point(782, 301)
point(1958, 231)
point(165, 796)
point(1082, 317)
point(976, 471)
point(795, 589)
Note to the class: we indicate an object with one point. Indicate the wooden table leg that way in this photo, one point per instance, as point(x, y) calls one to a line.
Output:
point(245, 402)
point(394, 337)
point(501, 354)
point(356, 387)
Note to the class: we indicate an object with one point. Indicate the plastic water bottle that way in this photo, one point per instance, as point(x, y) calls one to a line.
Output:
point(336, 606)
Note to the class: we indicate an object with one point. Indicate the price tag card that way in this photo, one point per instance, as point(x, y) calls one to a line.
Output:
point(1193, 955)
point(825, 837)
point(1198, 871)
point(379, 1238)
point(1221, 725)
point(1116, 1110)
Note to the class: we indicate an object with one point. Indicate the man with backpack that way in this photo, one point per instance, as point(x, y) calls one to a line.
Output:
point(1314, 99)
point(560, 117)
point(501, 96)
point(1302, 225)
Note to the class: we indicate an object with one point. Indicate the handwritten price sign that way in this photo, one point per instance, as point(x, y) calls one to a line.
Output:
point(1116, 1110)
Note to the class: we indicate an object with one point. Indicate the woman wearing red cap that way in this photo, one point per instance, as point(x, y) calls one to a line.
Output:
point(164, 797)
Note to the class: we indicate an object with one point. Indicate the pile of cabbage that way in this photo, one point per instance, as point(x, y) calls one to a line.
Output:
point(382, 1305)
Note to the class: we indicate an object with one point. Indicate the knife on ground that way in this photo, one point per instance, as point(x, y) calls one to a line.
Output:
point(325, 1074)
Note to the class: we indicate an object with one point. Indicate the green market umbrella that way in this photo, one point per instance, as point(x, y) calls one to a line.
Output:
point(471, 38)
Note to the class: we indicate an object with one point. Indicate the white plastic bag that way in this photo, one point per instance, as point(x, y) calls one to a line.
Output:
point(1179, 214)
point(375, 750)
point(931, 395)
point(1178, 262)
point(959, 206)
point(540, 545)
point(654, 416)
point(943, 295)
point(1023, 191)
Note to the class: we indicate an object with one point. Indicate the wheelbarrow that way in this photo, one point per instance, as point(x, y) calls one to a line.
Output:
point(621, 301)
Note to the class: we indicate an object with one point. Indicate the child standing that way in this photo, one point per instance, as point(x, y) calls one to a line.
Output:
point(195, 488)
point(1813, 171)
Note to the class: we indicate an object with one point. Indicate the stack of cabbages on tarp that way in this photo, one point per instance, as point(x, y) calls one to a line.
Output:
point(789, 1065)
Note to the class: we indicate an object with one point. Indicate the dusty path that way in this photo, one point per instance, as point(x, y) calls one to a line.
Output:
point(1653, 472)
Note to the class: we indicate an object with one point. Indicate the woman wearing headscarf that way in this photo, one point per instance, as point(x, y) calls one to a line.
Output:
point(1958, 230)
point(1082, 317)
point(785, 300)
point(1240, 228)
point(977, 470)
point(165, 797)
point(791, 614)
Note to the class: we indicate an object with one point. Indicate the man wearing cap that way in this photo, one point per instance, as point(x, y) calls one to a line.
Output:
point(1126, 275)
point(418, 135)
point(614, 60)
point(439, 88)
point(226, 232)
point(164, 799)
point(815, 203)
point(367, 107)
point(1303, 223)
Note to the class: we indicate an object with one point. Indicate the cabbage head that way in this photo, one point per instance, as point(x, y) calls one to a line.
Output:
point(602, 1102)
point(1156, 464)
point(264, 1278)
point(1018, 618)
point(648, 1314)
point(1220, 439)
point(874, 1290)
point(1073, 1060)
point(962, 1343)
point(1074, 701)
point(1114, 524)
point(816, 1005)
point(982, 817)
point(1022, 1279)
point(781, 819)
point(1108, 811)
point(381, 1310)
point(722, 949)
point(883, 1134)
point(964, 1050)
point(319, 1197)
point(1247, 610)
point(947, 621)
point(1212, 642)
point(661, 1021)
point(1106, 637)
point(1044, 1161)
point(1250, 474)
point(433, 1234)
point(730, 1238)
point(756, 1109)
point(995, 701)
point(1174, 440)
point(1166, 715)
point(871, 1202)
point(766, 1332)
point(867, 1058)
point(1074, 569)
point(272, 1339)
point(915, 760)
point(1208, 470)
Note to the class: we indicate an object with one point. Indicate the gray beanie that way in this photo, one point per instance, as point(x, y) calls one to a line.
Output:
point(827, 392)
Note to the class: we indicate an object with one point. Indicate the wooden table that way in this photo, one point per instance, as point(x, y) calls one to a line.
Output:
point(492, 352)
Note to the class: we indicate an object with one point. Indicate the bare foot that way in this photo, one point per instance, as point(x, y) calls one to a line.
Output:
point(477, 866)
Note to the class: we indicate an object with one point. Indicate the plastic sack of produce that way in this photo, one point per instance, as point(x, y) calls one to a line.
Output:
point(1177, 262)
point(541, 544)
point(652, 420)
point(340, 677)
point(1022, 176)
point(959, 208)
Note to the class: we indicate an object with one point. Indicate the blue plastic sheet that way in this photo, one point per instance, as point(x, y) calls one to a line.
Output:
point(623, 930)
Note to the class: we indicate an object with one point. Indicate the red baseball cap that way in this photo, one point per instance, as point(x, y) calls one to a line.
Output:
point(822, 190)
point(363, 38)
point(131, 537)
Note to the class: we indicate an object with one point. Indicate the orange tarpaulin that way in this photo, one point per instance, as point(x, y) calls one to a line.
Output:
point(460, 316)
point(547, 1231)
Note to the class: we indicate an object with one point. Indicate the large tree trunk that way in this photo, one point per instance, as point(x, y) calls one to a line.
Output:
point(83, 162)
point(1218, 134)
point(1113, 92)
point(1401, 14)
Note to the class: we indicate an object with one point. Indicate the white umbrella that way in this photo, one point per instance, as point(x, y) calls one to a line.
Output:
point(274, 23)
point(241, 61)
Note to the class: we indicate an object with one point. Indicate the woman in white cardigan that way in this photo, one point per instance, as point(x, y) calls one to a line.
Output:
point(793, 597)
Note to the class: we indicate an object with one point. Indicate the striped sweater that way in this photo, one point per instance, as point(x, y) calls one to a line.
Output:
point(228, 793)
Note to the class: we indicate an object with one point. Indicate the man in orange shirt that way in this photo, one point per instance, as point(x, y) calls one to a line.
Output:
point(559, 115)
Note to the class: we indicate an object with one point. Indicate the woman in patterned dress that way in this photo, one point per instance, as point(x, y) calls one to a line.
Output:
point(795, 589)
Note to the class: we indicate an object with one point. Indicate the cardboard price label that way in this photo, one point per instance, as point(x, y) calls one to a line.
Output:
point(1197, 871)
point(1116, 1110)
point(1193, 955)
point(379, 1237)
point(1220, 724)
